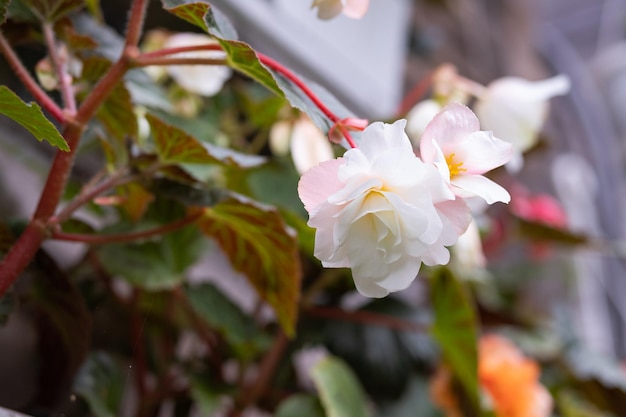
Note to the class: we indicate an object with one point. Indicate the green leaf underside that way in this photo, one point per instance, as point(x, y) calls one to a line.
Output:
point(259, 245)
point(300, 405)
point(3, 10)
point(52, 10)
point(30, 117)
point(224, 316)
point(339, 389)
point(455, 329)
point(101, 383)
point(241, 57)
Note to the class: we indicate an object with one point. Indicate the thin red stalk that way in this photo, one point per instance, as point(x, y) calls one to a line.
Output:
point(172, 51)
point(87, 195)
point(276, 66)
point(20, 255)
point(134, 28)
point(413, 96)
point(61, 69)
point(127, 237)
point(142, 61)
point(367, 317)
point(266, 371)
point(31, 85)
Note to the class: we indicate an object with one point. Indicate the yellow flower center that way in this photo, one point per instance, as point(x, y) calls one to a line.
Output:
point(455, 167)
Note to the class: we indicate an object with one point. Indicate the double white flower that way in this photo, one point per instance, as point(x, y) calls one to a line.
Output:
point(383, 211)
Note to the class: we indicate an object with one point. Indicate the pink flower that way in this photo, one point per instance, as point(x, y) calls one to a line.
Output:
point(327, 9)
point(381, 211)
point(462, 153)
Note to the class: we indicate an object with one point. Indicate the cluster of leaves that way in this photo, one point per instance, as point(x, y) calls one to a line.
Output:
point(213, 188)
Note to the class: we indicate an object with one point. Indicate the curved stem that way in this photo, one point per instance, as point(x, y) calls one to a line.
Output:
point(368, 317)
point(60, 68)
point(172, 51)
point(143, 61)
point(128, 237)
point(31, 85)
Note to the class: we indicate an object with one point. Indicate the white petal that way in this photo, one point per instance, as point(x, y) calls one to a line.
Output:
point(317, 184)
point(355, 9)
point(402, 274)
point(380, 137)
point(481, 186)
point(481, 152)
point(451, 125)
point(418, 118)
point(309, 146)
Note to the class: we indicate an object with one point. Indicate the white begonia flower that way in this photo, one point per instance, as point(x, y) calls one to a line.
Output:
point(205, 80)
point(327, 9)
point(468, 258)
point(515, 110)
point(309, 146)
point(418, 118)
point(381, 211)
point(462, 153)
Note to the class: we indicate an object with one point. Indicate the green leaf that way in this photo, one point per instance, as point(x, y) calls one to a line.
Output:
point(53, 10)
point(155, 265)
point(260, 245)
point(30, 117)
point(223, 315)
point(175, 146)
point(573, 405)
point(101, 384)
point(3, 10)
point(456, 329)
point(545, 233)
point(241, 57)
point(208, 400)
point(117, 114)
point(300, 405)
point(339, 390)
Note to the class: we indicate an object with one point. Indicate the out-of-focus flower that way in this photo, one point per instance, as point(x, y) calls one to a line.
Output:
point(327, 9)
point(205, 80)
point(508, 380)
point(468, 259)
point(540, 208)
point(308, 145)
point(381, 211)
point(515, 110)
point(511, 380)
point(419, 117)
point(454, 143)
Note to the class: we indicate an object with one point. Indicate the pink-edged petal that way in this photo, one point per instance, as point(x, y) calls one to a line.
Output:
point(318, 183)
point(482, 152)
point(456, 217)
point(452, 124)
point(482, 187)
point(355, 9)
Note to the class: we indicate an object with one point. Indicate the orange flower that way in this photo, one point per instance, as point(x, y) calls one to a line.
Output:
point(508, 379)
point(511, 380)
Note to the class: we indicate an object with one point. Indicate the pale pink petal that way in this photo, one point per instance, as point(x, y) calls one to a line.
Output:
point(355, 9)
point(318, 183)
point(482, 152)
point(468, 185)
point(455, 214)
point(451, 125)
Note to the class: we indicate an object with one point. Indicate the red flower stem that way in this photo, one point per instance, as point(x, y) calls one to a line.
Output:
point(368, 317)
point(61, 69)
point(171, 51)
point(30, 240)
point(413, 96)
point(128, 237)
point(276, 66)
point(31, 85)
point(143, 61)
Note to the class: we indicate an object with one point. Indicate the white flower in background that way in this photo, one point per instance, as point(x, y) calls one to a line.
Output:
point(515, 110)
point(327, 9)
point(308, 145)
point(381, 211)
point(463, 153)
point(468, 259)
point(205, 80)
point(418, 118)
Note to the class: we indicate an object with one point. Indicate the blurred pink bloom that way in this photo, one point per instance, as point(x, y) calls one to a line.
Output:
point(327, 9)
point(381, 211)
point(462, 153)
point(540, 208)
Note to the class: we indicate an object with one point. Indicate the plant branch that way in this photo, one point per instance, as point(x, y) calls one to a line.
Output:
point(60, 67)
point(143, 61)
point(31, 85)
point(89, 193)
point(368, 317)
point(134, 28)
point(172, 51)
point(266, 371)
point(128, 237)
